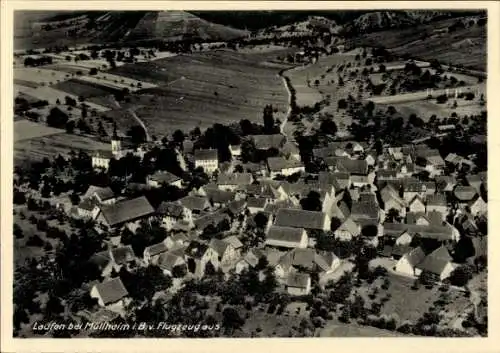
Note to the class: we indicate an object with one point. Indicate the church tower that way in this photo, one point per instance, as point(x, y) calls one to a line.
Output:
point(116, 146)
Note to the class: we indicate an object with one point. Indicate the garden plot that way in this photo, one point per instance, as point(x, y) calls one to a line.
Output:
point(39, 76)
point(52, 95)
point(117, 82)
point(26, 130)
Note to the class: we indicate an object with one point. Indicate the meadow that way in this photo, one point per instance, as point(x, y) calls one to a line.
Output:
point(26, 130)
point(50, 146)
point(205, 88)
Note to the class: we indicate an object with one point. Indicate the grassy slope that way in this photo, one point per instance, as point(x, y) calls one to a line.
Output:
point(445, 47)
point(219, 86)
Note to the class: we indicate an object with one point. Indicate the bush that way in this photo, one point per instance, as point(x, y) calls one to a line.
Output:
point(18, 232)
point(35, 240)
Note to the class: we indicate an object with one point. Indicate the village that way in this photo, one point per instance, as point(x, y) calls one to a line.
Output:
point(427, 229)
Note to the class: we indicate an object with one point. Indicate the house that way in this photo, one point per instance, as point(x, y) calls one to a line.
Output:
point(290, 150)
point(88, 208)
point(478, 206)
point(435, 164)
point(391, 200)
point(198, 255)
point(256, 204)
point(347, 230)
point(163, 178)
point(419, 218)
point(109, 293)
point(416, 204)
point(235, 150)
point(346, 165)
point(250, 260)
point(122, 256)
point(266, 142)
point(168, 261)
point(102, 261)
point(206, 159)
point(101, 159)
point(439, 233)
point(283, 166)
point(235, 242)
point(437, 264)
point(226, 252)
point(125, 212)
point(437, 203)
point(219, 198)
point(445, 183)
point(475, 180)
point(360, 181)
point(464, 194)
point(298, 284)
point(196, 204)
point(412, 188)
point(302, 219)
point(172, 213)
point(286, 237)
point(371, 158)
point(153, 252)
point(365, 209)
point(404, 239)
point(211, 219)
point(103, 195)
point(407, 264)
point(234, 181)
point(177, 240)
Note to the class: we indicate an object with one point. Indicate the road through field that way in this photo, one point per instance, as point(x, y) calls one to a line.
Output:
point(409, 97)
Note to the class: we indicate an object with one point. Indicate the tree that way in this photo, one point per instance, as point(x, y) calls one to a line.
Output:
point(137, 134)
point(261, 220)
point(57, 118)
point(70, 127)
point(461, 275)
point(231, 319)
point(19, 197)
point(268, 119)
point(393, 215)
point(74, 198)
point(328, 127)
point(18, 232)
point(342, 104)
point(312, 202)
point(178, 137)
point(369, 231)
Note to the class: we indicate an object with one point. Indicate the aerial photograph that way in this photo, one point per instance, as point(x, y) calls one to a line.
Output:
point(250, 174)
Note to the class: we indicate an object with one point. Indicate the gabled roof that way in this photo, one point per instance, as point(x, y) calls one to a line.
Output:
point(464, 193)
point(235, 179)
point(389, 193)
point(156, 249)
point(365, 210)
point(170, 209)
point(298, 280)
point(303, 257)
point(104, 193)
point(101, 259)
point(415, 256)
point(439, 233)
point(436, 261)
point(436, 200)
point(122, 254)
point(349, 226)
point(415, 199)
point(256, 202)
point(277, 164)
point(191, 202)
point(220, 196)
point(88, 204)
point(236, 207)
point(285, 235)
point(213, 218)
point(205, 155)
point(347, 165)
point(324, 260)
point(111, 291)
point(219, 246)
point(167, 260)
point(265, 142)
point(234, 241)
point(164, 177)
point(300, 219)
point(196, 249)
point(126, 211)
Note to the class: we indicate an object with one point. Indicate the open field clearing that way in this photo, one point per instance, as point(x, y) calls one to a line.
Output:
point(205, 88)
point(79, 87)
point(25, 130)
point(71, 112)
point(410, 304)
point(52, 95)
point(116, 82)
point(426, 108)
point(71, 69)
point(51, 146)
point(336, 328)
point(37, 75)
point(409, 97)
point(463, 46)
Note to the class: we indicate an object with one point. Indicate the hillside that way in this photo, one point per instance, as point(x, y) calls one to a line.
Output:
point(179, 25)
point(39, 30)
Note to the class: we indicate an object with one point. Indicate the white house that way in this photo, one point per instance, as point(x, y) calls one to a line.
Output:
point(110, 294)
point(298, 284)
point(287, 237)
point(347, 230)
point(206, 159)
point(163, 178)
point(283, 166)
point(172, 213)
point(101, 159)
point(416, 204)
point(406, 265)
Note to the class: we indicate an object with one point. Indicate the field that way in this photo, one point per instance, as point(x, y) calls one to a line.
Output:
point(335, 328)
point(415, 96)
point(51, 146)
point(52, 95)
point(205, 88)
point(26, 130)
point(78, 87)
point(39, 76)
point(410, 304)
point(426, 108)
point(464, 46)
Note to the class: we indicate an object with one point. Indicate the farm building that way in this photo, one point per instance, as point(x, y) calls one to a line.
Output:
point(163, 178)
point(128, 212)
point(288, 217)
point(286, 237)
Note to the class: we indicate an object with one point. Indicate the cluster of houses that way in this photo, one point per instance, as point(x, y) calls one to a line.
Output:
point(412, 221)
